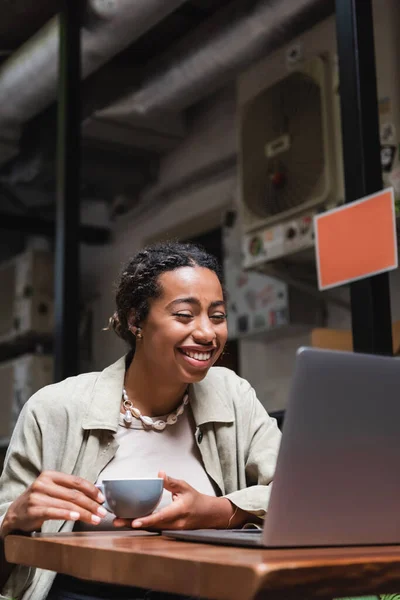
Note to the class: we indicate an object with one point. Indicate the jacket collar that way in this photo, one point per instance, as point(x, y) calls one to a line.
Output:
point(206, 400)
point(208, 403)
point(104, 406)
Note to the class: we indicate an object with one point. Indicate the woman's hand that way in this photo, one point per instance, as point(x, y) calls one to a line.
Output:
point(56, 496)
point(189, 510)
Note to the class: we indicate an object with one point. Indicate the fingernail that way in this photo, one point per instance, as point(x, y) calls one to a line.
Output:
point(137, 524)
point(96, 519)
point(100, 497)
point(101, 511)
point(74, 516)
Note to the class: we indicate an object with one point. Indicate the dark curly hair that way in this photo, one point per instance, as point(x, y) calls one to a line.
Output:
point(139, 280)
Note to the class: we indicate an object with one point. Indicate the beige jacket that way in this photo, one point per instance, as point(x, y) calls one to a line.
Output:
point(70, 427)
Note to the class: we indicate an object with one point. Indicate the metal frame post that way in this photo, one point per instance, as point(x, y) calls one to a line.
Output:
point(370, 298)
point(67, 288)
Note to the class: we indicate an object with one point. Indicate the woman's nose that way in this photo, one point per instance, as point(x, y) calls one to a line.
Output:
point(204, 331)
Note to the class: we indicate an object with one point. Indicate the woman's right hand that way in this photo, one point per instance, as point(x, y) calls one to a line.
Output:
point(54, 496)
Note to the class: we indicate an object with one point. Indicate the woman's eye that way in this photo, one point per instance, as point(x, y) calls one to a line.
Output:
point(218, 317)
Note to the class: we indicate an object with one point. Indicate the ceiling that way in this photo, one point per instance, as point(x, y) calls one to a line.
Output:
point(20, 20)
point(109, 166)
point(120, 157)
point(174, 27)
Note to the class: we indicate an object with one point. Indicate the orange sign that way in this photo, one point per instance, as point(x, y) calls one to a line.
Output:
point(356, 240)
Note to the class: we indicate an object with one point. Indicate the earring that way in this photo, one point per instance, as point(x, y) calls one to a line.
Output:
point(139, 334)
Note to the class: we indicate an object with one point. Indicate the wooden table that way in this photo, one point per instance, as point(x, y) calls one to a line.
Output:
point(208, 571)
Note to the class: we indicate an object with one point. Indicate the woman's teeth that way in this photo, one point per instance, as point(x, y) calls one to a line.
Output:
point(198, 355)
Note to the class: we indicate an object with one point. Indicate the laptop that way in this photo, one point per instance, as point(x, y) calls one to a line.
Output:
point(337, 480)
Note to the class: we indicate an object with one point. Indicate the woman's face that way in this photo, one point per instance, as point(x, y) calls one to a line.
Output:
point(186, 330)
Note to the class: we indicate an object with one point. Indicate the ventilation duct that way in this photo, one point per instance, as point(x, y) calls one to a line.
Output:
point(28, 79)
point(226, 45)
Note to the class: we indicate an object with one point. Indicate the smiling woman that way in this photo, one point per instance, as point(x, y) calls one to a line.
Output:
point(163, 411)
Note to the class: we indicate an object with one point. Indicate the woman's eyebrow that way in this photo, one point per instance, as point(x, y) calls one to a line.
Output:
point(217, 303)
point(195, 301)
point(188, 300)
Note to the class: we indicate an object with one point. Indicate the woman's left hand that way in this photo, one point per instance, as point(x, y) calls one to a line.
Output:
point(189, 510)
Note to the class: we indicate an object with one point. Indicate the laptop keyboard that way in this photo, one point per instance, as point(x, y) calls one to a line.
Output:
point(239, 537)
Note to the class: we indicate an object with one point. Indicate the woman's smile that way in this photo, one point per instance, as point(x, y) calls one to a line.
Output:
point(198, 357)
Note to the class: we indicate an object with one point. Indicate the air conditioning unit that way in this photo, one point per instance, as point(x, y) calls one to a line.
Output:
point(26, 300)
point(260, 305)
point(291, 164)
point(19, 379)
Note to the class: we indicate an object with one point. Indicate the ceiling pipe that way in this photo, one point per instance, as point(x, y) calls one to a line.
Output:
point(28, 79)
point(225, 46)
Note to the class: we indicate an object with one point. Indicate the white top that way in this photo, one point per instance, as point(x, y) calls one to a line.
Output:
point(145, 452)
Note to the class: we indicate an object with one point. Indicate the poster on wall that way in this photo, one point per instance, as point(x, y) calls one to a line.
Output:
point(256, 302)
